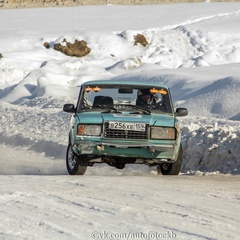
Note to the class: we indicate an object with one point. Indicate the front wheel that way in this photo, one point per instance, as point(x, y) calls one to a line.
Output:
point(75, 165)
point(171, 168)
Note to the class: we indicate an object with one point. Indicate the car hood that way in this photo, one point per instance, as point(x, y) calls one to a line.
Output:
point(152, 120)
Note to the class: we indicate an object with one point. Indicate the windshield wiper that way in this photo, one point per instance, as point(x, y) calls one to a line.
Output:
point(143, 110)
point(108, 109)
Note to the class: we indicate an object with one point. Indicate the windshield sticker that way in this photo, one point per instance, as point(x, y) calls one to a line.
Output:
point(154, 90)
point(161, 91)
point(95, 89)
point(87, 89)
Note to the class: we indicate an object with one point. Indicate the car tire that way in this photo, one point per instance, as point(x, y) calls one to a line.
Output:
point(75, 165)
point(171, 168)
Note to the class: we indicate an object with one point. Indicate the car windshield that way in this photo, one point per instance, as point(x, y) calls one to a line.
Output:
point(134, 100)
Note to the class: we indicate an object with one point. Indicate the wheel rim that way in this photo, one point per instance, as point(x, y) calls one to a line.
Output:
point(72, 160)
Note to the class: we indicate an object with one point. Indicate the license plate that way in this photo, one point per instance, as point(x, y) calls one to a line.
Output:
point(128, 126)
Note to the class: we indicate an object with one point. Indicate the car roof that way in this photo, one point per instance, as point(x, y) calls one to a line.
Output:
point(125, 83)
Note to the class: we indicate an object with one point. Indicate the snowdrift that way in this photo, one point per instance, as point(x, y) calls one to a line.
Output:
point(196, 54)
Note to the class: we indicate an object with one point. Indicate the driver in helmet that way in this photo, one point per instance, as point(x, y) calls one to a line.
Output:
point(145, 98)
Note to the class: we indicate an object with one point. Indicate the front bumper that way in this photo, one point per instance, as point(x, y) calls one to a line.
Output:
point(148, 150)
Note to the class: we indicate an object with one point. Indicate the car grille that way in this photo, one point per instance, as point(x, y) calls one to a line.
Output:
point(125, 134)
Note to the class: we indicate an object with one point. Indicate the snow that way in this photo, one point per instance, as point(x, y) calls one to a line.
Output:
point(76, 209)
point(193, 48)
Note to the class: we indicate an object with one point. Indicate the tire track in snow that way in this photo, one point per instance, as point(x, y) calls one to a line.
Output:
point(200, 19)
point(58, 205)
point(35, 217)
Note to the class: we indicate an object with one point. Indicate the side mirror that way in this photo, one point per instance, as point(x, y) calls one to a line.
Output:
point(181, 112)
point(69, 108)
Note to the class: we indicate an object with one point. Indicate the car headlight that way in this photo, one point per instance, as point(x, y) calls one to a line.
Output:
point(89, 130)
point(163, 133)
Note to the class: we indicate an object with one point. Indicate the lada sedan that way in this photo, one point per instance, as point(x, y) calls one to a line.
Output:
point(121, 123)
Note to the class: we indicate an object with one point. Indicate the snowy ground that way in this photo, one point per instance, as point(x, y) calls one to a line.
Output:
point(39, 201)
point(193, 48)
point(116, 205)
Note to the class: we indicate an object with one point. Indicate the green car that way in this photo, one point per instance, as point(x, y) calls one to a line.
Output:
point(119, 123)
